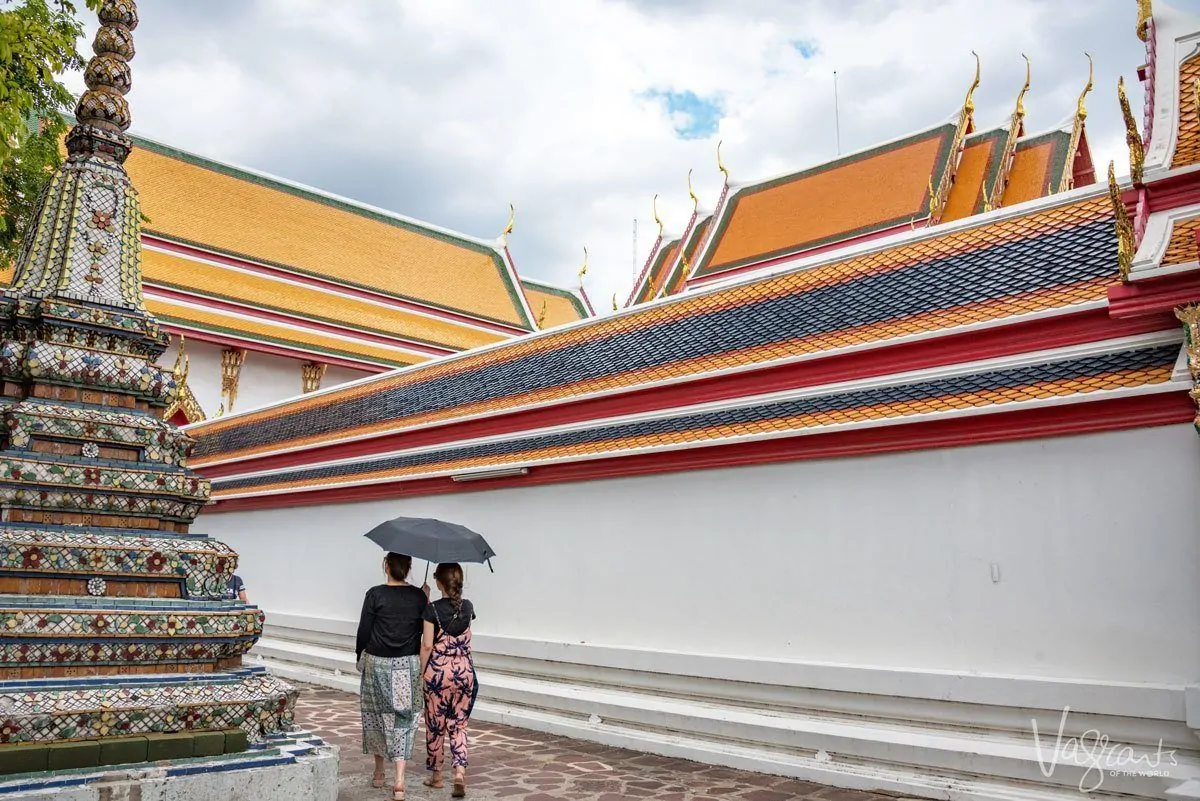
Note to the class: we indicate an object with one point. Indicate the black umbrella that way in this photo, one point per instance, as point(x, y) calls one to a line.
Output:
point(431, 540)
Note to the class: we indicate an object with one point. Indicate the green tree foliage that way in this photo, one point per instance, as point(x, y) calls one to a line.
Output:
point(37, 44)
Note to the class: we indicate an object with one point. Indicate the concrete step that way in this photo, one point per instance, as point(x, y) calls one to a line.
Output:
point(886, 754)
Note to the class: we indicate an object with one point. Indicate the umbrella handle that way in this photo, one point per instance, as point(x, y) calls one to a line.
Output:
point(426, 573)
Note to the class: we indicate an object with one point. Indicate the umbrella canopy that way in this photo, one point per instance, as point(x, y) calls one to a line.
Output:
point(431, 540)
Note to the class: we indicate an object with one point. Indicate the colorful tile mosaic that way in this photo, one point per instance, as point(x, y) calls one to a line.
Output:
point(91, 477)
point(202, 564)
point(249, 699)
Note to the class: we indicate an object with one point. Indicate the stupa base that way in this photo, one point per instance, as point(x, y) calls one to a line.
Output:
point(293, 767)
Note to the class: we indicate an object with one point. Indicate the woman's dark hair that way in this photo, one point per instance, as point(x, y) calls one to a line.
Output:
point(450, 576)
point(398, 566)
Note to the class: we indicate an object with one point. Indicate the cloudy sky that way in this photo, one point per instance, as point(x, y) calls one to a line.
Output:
point(579, 112)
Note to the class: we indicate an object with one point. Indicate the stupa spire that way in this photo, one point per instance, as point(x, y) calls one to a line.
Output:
point(84, 244)
point(102, 114)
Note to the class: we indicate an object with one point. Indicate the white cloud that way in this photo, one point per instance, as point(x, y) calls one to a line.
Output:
point(448, 111)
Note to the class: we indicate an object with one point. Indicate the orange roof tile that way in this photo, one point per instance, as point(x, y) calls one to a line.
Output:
point(1182, 247)
point(201, 202)
point(976, 170)
point(1187, 146)
point(560, 306)
point(683, 267)
point(873, 190)
point(1037, 167)
point(656, 275)
point(168, 270)
point(170, 312)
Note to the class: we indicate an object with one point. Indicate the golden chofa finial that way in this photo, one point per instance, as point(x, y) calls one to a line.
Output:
point(182, 362)
point(583, 269)
point(656, 218)
point(1137, 150)
point(1020, 112)
point(721, 164)
point(1081, 108)
point(692, 194)
point(969, 103)
point(1143, 22)
point(1126, 239)
point(614, 301)
point(508, 229)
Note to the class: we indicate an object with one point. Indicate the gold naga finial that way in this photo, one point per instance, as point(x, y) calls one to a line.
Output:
point(969, 103)
point(656, 218)
point(508, 229)
point(1143, 22)
point(1125, 235)
point(1081, 108)
point(1020, 112)
point(721, 164)
point(583, 269)
point(182, 362)
point(1137, 150)
point(614, 301)
point(541, 318)
point(692, 194)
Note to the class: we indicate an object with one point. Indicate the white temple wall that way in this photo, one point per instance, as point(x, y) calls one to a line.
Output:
point(264, 379)
point(1065, 558)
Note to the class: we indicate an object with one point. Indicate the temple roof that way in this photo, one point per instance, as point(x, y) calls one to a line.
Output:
point(877, 189)
point(977, 172)
point(237, 212)
point(244, 258)
point(1005, 269)
point(1039, 165)
point(554, 306)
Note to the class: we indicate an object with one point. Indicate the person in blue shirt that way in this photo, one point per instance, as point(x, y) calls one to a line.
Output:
point(236, 589)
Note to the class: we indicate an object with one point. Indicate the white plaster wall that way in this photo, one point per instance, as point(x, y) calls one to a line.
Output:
point(265, 378)
point(874, 561)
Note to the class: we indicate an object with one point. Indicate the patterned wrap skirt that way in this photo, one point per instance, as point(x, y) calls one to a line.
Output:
point(391, 703)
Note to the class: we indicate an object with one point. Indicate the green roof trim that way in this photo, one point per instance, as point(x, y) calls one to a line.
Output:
point(351, 208)
point(941, 163)
point(576, 301)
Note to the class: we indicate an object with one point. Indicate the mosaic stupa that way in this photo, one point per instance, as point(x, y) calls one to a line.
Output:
point(118, 644)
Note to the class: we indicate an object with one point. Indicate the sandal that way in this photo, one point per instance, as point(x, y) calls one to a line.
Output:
point(377, 781)
point(434, 780)
point(398, 794)
point(460, 788)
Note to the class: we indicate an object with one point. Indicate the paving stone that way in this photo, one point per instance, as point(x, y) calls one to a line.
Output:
point(508, 763)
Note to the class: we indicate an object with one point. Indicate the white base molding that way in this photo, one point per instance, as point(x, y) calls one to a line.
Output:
point(296, 767)
point(915, 733)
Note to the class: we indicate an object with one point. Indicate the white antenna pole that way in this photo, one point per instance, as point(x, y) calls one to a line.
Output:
point(837, 118)
point(633, 263)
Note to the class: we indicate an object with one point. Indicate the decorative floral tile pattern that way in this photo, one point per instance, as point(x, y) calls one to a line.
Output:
point(255, 702)
point(204, 565)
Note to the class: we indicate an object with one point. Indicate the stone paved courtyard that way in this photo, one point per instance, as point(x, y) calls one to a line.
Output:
point(520, 765)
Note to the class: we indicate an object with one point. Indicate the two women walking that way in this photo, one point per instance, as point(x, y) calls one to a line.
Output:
point(415, 657)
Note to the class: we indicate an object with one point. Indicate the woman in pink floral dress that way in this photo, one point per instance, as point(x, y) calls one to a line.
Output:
point(449, 675)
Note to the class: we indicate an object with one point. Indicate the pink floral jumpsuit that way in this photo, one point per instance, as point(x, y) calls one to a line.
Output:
point(450, 692)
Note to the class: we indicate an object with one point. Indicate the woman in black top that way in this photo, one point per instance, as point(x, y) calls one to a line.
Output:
point(388, 648)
